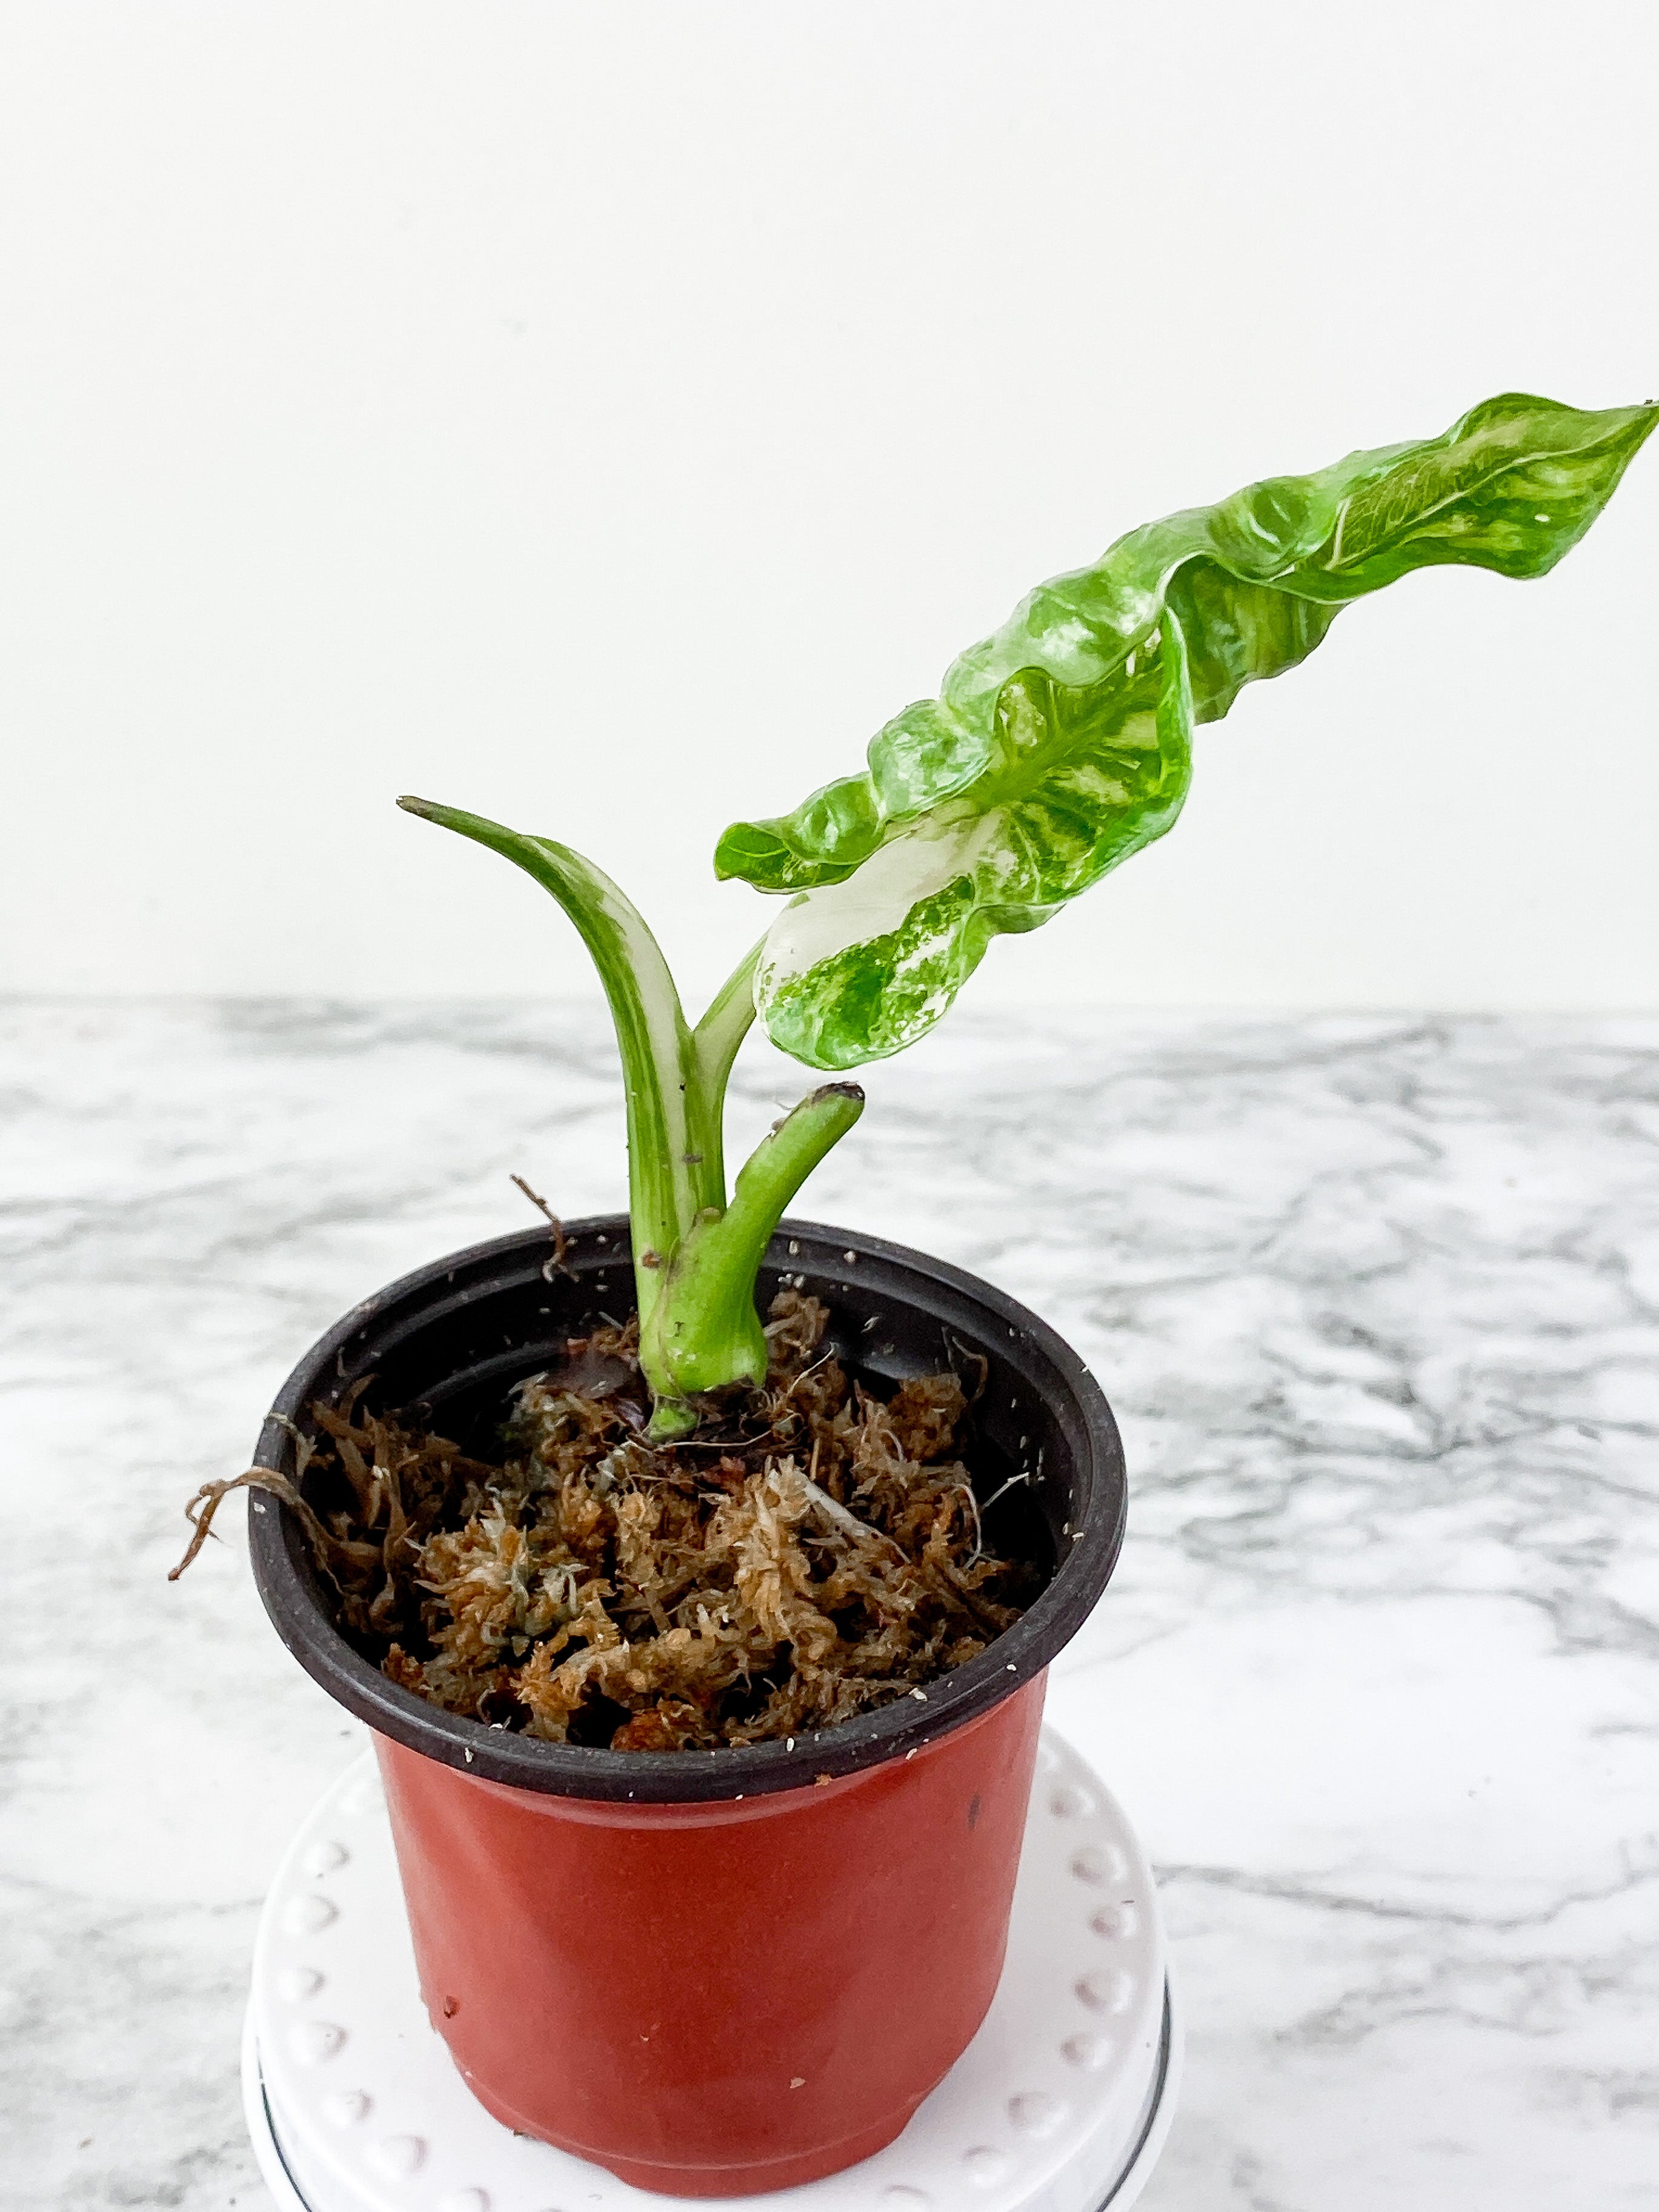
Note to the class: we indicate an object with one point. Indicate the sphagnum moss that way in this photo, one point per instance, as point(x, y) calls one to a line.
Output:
point(814, 1553)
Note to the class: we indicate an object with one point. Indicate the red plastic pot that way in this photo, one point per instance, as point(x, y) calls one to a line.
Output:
point(715, 1998)
point(725, 1972)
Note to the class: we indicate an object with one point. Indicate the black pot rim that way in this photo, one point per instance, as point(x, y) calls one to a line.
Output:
point(292, 1598)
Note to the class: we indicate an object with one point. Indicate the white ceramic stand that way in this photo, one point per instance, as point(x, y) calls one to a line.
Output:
point(1060, 2103)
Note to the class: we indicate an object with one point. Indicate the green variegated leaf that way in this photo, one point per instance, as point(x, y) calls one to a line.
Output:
point(1060, 746)
point(856, 970)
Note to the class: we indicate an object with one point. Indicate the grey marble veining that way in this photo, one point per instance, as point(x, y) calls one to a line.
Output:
point(1377, 1302)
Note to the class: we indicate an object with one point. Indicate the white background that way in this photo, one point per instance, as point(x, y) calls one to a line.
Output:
point(604, 417)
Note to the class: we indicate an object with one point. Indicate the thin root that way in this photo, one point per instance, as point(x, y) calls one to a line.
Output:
point(209, 1499)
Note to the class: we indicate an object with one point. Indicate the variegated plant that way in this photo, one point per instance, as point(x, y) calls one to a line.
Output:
point(1058, 747)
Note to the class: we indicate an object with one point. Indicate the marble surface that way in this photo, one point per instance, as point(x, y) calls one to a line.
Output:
point(1378, 1301)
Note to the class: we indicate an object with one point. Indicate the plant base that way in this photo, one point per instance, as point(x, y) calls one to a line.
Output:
point(1063, 2098)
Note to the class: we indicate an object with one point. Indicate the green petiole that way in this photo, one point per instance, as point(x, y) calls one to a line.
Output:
point(695, 1260)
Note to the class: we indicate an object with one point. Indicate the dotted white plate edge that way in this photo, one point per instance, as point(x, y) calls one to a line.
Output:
point(1167, 2093)
point(888, 2182)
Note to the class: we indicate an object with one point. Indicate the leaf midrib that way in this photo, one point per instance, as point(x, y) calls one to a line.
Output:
point(1336, 564)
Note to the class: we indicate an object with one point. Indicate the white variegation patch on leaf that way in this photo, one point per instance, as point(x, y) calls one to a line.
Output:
point(856, 971)
point(1061, 745)
point(881, 954)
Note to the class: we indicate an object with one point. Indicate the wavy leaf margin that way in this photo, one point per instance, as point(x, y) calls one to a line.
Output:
point(1062, 744)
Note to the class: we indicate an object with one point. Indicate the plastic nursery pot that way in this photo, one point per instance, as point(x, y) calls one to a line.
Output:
point(716, 1972)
